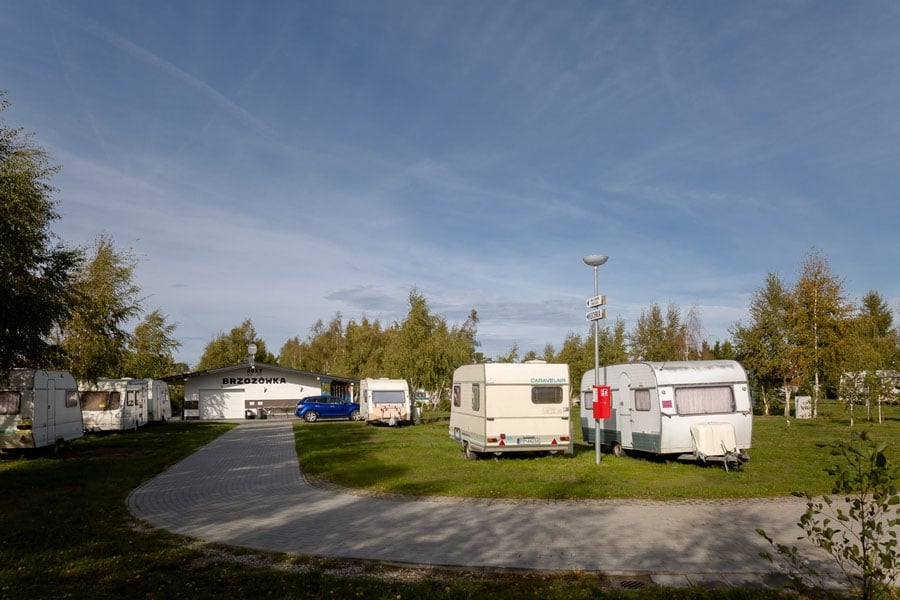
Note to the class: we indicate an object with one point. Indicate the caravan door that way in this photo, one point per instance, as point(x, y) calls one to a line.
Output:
point(624, 415)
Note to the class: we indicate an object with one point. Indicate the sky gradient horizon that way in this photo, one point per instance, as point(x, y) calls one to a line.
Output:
point(289, 161)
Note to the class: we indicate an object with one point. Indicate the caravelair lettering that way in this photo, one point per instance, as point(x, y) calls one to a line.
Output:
point(548, 380)
point(252, 380)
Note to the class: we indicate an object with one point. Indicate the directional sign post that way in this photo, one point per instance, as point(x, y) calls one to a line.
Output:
point(595, 301)
point(595, 314)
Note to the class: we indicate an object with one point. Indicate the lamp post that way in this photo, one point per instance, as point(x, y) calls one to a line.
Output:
point(595, 260)
point(251, 354)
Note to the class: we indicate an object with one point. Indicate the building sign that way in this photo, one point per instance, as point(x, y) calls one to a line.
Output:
point(252, 380)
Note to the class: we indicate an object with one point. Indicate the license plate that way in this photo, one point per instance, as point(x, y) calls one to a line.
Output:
point(530, 439)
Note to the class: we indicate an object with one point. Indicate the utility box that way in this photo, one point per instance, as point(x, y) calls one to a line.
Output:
point(602, 402)
point(803, 407)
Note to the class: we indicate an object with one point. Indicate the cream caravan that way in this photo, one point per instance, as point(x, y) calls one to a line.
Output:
point(691, 409)
point(511, 407)
point(114, 404)
point(385, 401)
point(38, 409)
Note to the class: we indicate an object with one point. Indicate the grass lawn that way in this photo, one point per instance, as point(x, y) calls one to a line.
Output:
point(65, 531)
point(423, 460)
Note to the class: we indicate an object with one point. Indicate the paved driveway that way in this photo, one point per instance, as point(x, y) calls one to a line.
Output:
point(245, 489)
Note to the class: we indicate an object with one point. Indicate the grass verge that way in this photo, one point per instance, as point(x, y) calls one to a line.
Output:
point(422, 460)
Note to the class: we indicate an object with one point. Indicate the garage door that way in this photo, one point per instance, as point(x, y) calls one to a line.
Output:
point(221, 404)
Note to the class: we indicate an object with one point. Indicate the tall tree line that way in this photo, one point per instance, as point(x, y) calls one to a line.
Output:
point(807, 336)
point(63, 307)
point(423, 348)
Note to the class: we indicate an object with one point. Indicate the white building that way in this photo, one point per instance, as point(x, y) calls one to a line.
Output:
point(244, 390)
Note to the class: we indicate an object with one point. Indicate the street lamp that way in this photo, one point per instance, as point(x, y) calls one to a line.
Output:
point(595, 260)
point(251, 353)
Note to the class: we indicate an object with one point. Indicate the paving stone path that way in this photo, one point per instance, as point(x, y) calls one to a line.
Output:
point(246, 489)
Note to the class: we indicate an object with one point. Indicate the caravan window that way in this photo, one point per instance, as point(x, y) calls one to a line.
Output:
point(456, 396)
point(387, 396)
point(642, 400)
point(9, 402)
point(588, 401)
point(704, 400)
point(476, 396)
point(71, 398)
point(100, 401)
point(546, 395)
point(129, 398)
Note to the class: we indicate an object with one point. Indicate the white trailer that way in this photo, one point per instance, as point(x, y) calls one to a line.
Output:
point(697, 410)
point(114, 404)
point(511, 407)
point(38, 409)
point(159, 406)
point(385, 401)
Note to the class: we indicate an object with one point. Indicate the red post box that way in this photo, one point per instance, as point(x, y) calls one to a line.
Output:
point(602, 402)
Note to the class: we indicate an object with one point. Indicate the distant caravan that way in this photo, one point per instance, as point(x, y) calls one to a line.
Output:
point(694, 410)
point(114, 404)
point(385, 401)
point(38, 409)
point(511, 407)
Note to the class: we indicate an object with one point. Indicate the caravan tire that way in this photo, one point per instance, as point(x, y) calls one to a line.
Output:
point(616, 449)
point(470, 454)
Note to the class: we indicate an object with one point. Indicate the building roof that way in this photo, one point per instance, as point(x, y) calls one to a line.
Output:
point(182, 378)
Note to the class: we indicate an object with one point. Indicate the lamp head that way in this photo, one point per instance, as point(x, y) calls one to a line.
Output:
point(595, 260)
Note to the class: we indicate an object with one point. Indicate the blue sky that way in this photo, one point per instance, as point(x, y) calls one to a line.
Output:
point(288, 161)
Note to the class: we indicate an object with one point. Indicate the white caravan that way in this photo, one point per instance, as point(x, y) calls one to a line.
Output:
point(38, 409)
point(511, 407)
point(385, 401)
point(114, 404)
point(697, 410)
point(159, 407)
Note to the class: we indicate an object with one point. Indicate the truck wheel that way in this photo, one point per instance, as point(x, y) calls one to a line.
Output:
point(311, 416)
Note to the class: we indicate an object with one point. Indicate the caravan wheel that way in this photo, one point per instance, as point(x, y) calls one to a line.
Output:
point(470, 454)
point(616, 449)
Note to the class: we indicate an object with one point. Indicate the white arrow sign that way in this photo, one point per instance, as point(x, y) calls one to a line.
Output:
point(596, 315)
point(595, 301)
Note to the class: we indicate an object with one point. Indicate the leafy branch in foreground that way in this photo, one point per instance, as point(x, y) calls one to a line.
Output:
point(861, 533)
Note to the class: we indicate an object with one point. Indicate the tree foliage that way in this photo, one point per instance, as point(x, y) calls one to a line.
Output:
point(424, 349)
point(151, 347)
point(763, 346)
point(818, 317)
point(231, 348)
point(36, 270)
point(94, 337)
point(859, 533)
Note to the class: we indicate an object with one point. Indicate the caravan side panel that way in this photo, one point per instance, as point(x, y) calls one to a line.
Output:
point(114, 404)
